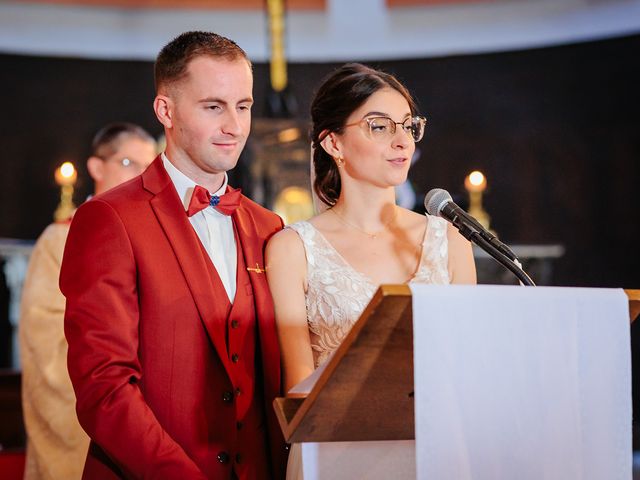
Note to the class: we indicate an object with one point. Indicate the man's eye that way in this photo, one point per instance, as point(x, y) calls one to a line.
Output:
point(244, 107)
point(213, 107)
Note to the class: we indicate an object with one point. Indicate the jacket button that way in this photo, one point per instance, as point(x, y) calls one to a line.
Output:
point(235, 357)
point(223, 457)
point(234, 323)
point(227, 397)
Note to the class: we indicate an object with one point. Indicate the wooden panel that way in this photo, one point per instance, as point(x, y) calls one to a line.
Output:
point(634, 304)
point(286, 409)
point(366, 391)
point(204, 4)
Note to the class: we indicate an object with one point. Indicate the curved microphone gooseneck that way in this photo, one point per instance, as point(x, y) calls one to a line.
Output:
point(438, 202)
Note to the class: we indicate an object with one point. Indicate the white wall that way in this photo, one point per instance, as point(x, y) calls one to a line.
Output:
point(347, 30)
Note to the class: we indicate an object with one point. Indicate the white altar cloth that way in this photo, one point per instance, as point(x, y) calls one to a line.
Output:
point(519, 382)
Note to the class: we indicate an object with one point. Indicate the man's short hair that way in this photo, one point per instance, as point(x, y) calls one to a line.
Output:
point(109, 138)
point(173, 59)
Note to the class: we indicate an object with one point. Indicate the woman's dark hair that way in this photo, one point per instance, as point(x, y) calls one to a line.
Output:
point(339, 95)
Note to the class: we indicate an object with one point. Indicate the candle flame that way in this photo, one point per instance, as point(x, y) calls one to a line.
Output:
point(476, 178)
point(67, 170)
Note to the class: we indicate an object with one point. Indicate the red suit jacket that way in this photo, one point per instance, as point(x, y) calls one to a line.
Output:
point(146, 333)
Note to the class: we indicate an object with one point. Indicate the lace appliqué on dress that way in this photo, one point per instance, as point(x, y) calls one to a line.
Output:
point(337, 294)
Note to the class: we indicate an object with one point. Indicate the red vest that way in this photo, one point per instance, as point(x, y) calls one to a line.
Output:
point(247, 454)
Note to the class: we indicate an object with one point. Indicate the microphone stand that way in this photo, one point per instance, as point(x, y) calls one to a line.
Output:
point(474, 236)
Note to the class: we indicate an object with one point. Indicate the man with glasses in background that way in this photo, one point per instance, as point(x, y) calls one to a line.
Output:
point(56, 444)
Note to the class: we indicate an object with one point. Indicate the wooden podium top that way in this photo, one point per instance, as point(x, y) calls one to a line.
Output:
point(368, 360)
point(366, 390)
point(634, 303)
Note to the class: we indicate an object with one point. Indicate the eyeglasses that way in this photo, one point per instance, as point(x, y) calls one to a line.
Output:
point(126, 163)
point(384, 128)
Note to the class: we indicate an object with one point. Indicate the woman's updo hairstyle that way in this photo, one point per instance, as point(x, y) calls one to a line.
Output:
point(339, 95)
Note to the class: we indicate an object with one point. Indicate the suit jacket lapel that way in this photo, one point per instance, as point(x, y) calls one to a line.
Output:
point(252, 249)
point(186, 246)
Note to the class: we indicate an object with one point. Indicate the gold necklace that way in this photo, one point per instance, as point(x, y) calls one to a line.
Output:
point(368, 234)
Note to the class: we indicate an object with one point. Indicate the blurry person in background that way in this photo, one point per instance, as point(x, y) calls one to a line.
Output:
point(56, 444)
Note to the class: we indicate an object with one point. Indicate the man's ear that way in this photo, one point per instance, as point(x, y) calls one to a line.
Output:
point(331, 145)
point(95, 166)
point(163, 107)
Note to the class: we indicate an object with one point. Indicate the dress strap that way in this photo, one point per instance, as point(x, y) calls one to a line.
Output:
point(434, 262)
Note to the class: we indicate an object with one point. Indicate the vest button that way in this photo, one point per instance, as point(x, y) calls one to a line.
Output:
point(238, 391)
point(238, 458)
point(235, 357)
point(227, 397)
point(234, 323)
point(239, 425)
point(223, 457)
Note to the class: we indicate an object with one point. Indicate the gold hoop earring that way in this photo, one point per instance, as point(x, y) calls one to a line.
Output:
point(340, 161)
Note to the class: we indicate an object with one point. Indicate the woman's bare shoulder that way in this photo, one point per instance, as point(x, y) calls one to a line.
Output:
point(415, 217)
point(285, 238)
point(412, 221)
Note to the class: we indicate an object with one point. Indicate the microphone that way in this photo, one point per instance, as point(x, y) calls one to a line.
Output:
point(438, 202)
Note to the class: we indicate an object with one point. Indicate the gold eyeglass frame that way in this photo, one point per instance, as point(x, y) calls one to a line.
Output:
point(368, 120)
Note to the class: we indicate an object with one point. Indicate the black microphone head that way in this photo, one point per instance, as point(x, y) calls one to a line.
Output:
point(435, 200)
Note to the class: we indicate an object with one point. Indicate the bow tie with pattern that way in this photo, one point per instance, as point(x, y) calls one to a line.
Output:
point(226, 204)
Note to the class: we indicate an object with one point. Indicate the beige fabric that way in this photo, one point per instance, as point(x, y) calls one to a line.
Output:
point(56, 444)
point(338, 294)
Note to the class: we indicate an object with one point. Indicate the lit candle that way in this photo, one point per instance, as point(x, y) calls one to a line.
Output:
point(475, 182)
point(66, 174)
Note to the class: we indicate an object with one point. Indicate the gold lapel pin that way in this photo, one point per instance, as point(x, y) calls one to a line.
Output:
point(257, 269)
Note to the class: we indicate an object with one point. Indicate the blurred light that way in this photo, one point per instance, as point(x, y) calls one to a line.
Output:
point(476, 178)
point(66, 174)
point(67, 169)
point(289, 135)
point(475, 182)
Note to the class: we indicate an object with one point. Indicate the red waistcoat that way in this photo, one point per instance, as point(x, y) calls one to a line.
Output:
point(247, 454)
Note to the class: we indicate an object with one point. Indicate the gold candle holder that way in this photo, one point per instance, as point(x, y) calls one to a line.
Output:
point(278, 64)
point(476, 183)
point(65, 176)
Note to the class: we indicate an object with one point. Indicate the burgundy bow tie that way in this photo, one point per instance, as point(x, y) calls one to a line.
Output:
point(226, 204)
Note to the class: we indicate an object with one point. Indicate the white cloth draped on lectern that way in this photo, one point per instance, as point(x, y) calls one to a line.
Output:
point(526, 383)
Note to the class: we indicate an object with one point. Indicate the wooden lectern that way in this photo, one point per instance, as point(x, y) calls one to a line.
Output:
point(366, 390)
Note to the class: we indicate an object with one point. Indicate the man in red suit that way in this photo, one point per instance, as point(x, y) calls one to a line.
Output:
point(173, 351)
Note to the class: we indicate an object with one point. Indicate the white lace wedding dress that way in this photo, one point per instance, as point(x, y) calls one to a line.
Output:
point(337, 294)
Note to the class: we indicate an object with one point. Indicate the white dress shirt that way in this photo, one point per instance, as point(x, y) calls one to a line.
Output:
point(214, 229)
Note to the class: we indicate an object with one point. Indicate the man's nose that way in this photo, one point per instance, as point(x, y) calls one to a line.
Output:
point(231, 124)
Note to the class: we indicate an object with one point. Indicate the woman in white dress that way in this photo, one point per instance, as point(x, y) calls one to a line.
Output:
point(323, 272)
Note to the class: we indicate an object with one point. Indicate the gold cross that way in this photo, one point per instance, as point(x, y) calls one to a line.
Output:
point(257, 269)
